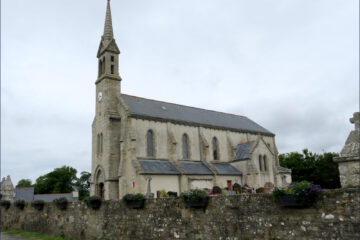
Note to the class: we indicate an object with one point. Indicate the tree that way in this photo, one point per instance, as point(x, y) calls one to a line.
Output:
point(83, 184)
point(24, 183)
point(60, 180)
point(317, 168)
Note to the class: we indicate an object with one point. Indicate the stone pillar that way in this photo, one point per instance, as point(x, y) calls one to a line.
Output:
point(348, 159)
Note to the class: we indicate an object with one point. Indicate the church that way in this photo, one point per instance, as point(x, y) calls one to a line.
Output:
point(140, 144)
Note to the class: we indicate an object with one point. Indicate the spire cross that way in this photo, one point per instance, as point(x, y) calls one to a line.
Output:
point(355, 120)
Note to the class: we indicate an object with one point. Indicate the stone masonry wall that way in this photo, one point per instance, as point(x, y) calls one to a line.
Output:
point(257, 216)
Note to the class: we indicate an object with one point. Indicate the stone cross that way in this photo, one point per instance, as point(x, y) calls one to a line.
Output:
point(355, 120)
point(148, 191)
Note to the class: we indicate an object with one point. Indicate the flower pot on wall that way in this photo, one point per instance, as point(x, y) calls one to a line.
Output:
point(20, 204)
point(135, 204)
point(200, 203)
point(5, 204)
point(93, 202)
point(291, 201)
point(38, 204)
point(61, 203)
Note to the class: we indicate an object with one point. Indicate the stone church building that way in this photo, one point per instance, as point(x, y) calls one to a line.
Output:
point(178, 147)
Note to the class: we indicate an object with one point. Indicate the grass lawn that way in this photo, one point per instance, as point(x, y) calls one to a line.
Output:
point(37, 236)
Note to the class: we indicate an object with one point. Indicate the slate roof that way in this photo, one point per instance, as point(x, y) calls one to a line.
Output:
point(226, 169)
point(283, 170)
point(242, 150)
point(51, 197)
point(158, 167)
point(146, 108)
point(196, 168)
point(25, 193)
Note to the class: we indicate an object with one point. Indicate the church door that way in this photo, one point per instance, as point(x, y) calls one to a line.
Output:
point(101, 190)
point(229, 185)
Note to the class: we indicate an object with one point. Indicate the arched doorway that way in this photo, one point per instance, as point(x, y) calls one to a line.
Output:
point(100, 187)
point(101, 190)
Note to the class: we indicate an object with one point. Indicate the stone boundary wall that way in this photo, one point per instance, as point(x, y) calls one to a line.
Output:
point(256, 216)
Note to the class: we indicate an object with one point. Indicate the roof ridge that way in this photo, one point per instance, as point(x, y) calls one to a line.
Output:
point(182, 105)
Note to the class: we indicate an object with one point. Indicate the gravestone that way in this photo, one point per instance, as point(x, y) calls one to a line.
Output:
point(348, 159)
point(149, 194)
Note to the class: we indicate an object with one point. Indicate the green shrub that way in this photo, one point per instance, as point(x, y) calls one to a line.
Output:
point(164, 194)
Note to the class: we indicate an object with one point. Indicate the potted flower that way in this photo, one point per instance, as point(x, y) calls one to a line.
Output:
point(93, 202)
point(195, 198)
point(20, 204)
point(5, 204)
point(61, 203)
point(135, 201)
point(298, 194)
point(38, 204)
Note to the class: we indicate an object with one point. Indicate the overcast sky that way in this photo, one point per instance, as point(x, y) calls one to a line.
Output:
point(290, 65)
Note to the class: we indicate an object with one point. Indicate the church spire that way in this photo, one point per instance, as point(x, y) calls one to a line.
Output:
point(108, 29)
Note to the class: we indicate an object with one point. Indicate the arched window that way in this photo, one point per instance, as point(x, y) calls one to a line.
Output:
point(101, 142)
point(100, 67)
point(103, 66)
point(260, 164)
point(150, 143)
point(215, 148)
point(98, 144)
point(185, 146)
point(265, 166)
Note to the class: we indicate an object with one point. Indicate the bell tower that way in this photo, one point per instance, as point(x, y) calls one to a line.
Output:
point(106, 124)
point(108, 53)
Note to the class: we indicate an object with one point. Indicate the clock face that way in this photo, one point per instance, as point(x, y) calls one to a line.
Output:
point(100, 96)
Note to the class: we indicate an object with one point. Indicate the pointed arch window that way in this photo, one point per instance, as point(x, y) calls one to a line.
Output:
point(215, 148)
point(185, 146)
point(100, 68)
point(101, 142)
point(98, 144)
point(150, 143)
point(260, 163)
point(265, 163)
point(103, 66)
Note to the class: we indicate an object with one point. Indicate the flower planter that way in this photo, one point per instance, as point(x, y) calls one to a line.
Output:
point(38, 204)
point(20, 204)
point(290, 201)
point(61, 203)
point(201, 203)
point(135, 204)
point(5, 204)
point(93, 202)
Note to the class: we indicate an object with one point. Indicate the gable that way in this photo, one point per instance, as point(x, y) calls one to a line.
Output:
point(243, 150)
point(108, 46)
